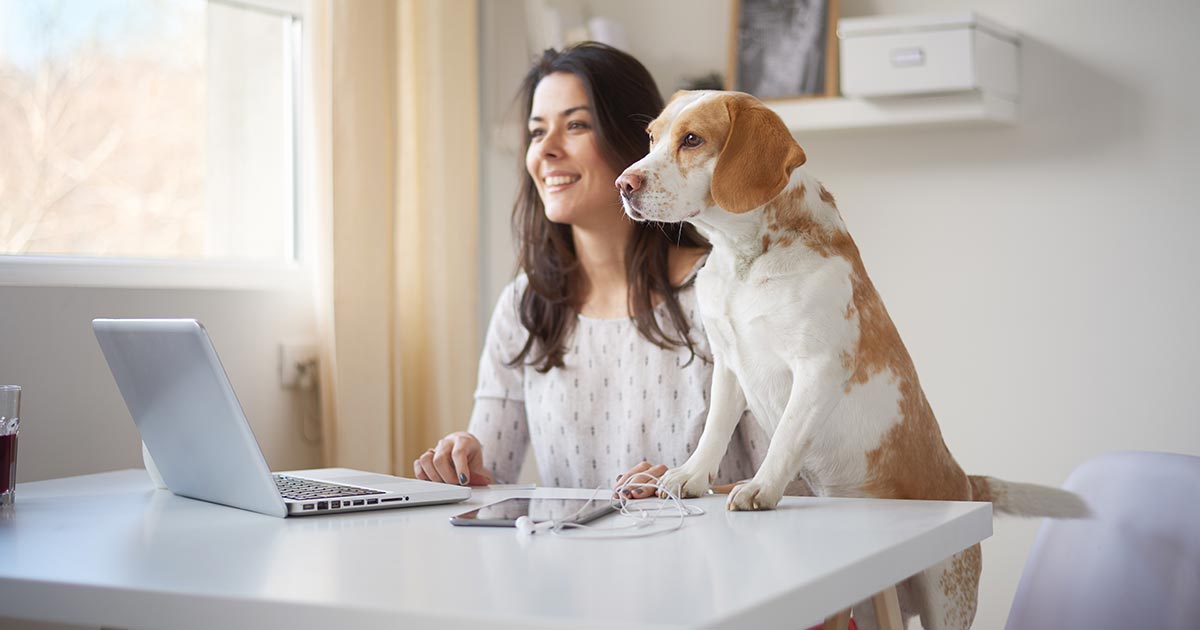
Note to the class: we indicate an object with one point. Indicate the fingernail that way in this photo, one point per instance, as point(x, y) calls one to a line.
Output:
point(462, 478)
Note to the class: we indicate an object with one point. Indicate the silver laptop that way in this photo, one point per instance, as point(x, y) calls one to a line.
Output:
point(192, 424)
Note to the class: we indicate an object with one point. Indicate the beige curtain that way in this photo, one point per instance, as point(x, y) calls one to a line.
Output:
point(395, 189)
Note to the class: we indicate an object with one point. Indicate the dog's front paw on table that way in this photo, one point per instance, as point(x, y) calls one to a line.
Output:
point(753, 495)
point(684, 483)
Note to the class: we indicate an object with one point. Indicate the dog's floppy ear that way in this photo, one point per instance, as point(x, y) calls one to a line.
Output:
point(757, 160)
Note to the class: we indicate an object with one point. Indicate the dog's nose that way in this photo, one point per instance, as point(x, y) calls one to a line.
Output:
point(629, 182)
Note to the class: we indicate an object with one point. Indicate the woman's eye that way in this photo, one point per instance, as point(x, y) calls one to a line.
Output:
point(535, 133)
point(577, 124)
point(692, 141)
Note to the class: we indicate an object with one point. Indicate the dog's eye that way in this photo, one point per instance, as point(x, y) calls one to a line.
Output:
point(691, 141)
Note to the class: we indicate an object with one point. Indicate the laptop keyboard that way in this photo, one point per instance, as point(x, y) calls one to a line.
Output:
point(299, 489)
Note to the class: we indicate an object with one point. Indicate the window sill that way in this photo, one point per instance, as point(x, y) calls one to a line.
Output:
point(138, 273)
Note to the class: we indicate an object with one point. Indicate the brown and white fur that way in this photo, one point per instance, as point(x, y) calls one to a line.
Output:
point(800, 336)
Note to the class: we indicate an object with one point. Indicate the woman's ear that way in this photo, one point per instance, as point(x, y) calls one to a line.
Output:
point(758, 157)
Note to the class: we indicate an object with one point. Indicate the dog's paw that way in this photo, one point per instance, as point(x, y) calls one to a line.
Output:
point(753, 495)
point(684, 482)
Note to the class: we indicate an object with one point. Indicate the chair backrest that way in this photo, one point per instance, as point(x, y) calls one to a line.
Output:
point(1134, 564)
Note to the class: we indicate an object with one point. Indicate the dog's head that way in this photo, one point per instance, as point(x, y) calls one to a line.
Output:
point(723, 149)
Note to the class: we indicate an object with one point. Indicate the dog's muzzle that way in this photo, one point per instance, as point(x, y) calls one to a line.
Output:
point(631, 209)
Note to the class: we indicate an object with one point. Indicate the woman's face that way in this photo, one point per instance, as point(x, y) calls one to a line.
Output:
point(575, 182)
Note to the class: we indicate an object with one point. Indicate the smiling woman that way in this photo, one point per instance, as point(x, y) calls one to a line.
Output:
point(595, 354)
point(587, 109)
point(570, 188)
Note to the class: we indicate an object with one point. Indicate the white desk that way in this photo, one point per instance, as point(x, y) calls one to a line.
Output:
point(108, 550)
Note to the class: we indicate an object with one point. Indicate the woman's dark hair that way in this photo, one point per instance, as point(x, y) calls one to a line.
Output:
point(624, 99)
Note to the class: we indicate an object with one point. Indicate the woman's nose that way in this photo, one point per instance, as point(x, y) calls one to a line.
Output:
point(551, 145)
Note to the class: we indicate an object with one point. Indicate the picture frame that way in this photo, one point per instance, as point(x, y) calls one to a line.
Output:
point(783, 49)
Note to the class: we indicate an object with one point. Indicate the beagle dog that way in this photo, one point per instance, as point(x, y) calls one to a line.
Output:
point(800, 336)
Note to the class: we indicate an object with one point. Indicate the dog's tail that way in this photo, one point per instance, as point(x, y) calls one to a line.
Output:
point(1027, 499)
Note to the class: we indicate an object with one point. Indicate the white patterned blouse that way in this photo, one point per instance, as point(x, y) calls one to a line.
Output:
point(619, 400)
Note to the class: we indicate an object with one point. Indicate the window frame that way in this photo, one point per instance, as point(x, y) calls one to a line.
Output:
point(37, 270)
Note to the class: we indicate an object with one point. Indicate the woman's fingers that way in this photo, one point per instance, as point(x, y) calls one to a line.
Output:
point(424, 467)
point(418, 473)
point(468, 460)
point(460, 455)
point(456, 459)
point(621, 479)
point(644, 472)
point(442, 463)
point(648, 476)
point(480, 475)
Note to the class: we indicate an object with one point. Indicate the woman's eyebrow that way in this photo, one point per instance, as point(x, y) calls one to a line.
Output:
point(565, 112)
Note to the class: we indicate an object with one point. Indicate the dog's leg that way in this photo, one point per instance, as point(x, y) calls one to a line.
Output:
point(947, 593)
point(816, 390)
point(696, 474)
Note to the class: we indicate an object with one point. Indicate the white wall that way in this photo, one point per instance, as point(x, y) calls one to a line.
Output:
point(1043, 275)
point(73, 418)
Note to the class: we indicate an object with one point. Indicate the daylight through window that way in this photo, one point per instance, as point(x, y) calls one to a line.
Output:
point(147, 129)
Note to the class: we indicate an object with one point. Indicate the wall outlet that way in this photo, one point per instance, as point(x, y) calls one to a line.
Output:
point(298, 364)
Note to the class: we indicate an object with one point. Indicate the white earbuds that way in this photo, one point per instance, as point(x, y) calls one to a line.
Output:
point(527, 527)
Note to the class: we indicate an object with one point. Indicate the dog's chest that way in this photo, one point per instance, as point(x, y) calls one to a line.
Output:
point(765, 319)
point(765, 311)
point(728, 306)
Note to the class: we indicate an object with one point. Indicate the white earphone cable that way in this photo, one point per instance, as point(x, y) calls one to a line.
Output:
point(644, 514)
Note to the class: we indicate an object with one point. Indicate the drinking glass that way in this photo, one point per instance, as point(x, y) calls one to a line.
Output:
point(10, 423)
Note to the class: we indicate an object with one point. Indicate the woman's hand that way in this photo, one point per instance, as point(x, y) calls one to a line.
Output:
point(644, 472)
point(456, 459)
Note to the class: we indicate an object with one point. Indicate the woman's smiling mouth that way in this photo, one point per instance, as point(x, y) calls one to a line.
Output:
point(555, 183)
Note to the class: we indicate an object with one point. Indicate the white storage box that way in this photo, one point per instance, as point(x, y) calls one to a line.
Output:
point(897, 55)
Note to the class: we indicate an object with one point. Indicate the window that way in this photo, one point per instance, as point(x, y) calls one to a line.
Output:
point(149, 129)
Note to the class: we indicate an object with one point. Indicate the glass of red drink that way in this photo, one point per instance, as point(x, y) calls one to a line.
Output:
point(10, 423)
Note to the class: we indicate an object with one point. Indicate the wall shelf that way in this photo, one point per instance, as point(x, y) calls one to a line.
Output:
point(837, 114)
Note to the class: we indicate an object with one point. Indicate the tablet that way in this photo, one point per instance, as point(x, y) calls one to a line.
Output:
point(505, 513)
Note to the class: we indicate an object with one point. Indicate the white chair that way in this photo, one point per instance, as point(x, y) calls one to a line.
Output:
point(1134, 565)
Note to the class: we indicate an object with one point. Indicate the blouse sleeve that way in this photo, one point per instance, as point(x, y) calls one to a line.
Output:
point(498, 419)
